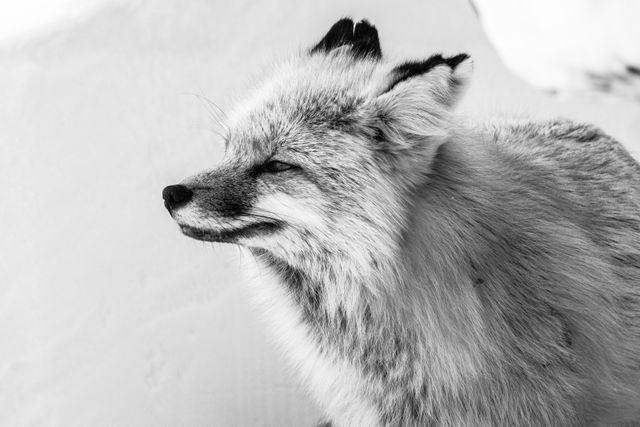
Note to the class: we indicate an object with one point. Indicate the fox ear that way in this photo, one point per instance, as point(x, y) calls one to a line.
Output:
point(416, 97)
point(441, 79)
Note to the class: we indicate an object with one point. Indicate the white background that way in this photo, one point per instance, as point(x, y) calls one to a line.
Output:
point(108, 315)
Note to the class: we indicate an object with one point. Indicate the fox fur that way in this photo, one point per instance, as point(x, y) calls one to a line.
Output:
point(420, 270)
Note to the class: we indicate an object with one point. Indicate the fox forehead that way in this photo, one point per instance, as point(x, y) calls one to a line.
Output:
point(303, 102)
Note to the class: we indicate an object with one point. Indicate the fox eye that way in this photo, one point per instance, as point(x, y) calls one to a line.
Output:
point(275, 166)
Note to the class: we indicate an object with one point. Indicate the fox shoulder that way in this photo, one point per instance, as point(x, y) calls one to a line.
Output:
point(573, 146)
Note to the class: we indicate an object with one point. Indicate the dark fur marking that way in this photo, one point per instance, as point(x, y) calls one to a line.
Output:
point(230, 235)
point(477, 280)
point(341, 320)
point(308, 295)
point(626, 259)
point(379, 136)
point(340, 332)
point(631, 69)
point(366, 316)
point(415, 68)
point(231, 195)
point(340, 34)
point(363, 39)
point(567, 335)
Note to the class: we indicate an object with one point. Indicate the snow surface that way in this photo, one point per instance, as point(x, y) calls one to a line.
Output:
point(568, 45)
point(108, 315)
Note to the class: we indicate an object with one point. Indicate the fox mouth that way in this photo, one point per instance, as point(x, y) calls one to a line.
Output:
point(230, 235)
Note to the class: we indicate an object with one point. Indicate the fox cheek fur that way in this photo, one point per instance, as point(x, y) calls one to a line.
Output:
point(420, 270)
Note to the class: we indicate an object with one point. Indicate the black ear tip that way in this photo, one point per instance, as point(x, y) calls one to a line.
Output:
point(454, 61)
point(341, 29)
point(363, 38)
point(415, 68)
point(364, 31)
point(365, 27)
point(344, 24)
point(340, 34)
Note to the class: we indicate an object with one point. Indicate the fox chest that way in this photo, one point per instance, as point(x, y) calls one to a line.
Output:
point(333, 380)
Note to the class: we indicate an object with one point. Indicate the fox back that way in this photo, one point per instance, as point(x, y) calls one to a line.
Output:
point(421, 270)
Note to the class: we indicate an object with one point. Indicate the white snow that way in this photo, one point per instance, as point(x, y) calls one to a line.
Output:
point(567, 45)
point(108, 315)
point(25, 19)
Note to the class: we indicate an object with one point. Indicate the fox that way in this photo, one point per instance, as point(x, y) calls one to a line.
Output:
point(420, 269)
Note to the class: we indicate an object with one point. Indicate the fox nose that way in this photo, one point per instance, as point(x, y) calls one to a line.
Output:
point(175, 196)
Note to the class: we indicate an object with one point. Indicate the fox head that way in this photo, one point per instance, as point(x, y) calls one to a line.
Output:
point(322, 160)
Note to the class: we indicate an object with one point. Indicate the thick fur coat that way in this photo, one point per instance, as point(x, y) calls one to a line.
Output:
point(420, 270)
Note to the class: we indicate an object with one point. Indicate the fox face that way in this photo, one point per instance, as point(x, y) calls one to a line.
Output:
point(322, 159)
